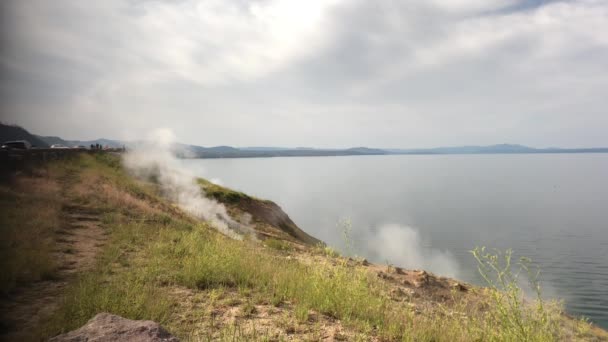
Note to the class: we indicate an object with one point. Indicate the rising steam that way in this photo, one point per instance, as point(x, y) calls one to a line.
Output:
point(402, 246)
point(155, 160)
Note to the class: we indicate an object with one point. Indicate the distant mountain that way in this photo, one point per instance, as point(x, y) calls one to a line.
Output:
point(192, 151)
point(9, 132)
point(223, 149)
point(365, 150)
point(51, 140)
point(12, 132)
point(502, 148)
point(495, 149)
point(262, 148)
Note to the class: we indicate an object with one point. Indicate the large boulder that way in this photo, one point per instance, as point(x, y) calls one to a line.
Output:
point(106, 327)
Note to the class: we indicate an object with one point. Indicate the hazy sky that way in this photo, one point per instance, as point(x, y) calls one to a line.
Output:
point(309, 73)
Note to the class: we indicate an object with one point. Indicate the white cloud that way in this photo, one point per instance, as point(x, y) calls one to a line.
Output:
point(460, 6)
point(332, 73)
point(209, 41)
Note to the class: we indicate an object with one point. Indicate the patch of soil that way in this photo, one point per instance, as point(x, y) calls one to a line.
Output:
point(234, 315)
point(77, 243)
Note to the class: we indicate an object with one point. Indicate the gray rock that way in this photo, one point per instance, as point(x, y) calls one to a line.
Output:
point(105, 327)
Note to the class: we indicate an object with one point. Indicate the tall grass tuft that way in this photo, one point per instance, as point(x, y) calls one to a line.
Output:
point(514, 315)
point(27, 231)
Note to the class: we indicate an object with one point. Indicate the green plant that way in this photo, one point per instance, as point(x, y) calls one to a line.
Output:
point(248, 309)
point(301, 312)
point(279, 245)
point(516, 317)
point(346, 227)
point(325, 250)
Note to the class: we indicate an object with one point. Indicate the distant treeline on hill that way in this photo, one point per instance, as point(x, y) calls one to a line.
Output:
point(9, 132)
point(190, 151)
point(13, 132)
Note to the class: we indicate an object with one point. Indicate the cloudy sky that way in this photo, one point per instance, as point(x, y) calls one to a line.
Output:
point(309, 73)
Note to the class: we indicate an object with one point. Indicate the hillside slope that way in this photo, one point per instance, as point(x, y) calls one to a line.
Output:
point(100, 240)
point(104, 142)
point(10, 132)
point(269, 219)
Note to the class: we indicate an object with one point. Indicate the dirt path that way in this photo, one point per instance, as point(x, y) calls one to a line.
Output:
point(77, 244)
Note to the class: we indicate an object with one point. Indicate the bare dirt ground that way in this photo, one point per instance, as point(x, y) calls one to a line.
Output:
point(77, 243)
point(233, 314)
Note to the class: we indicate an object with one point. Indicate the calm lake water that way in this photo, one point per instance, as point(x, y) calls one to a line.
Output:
point(425, 211)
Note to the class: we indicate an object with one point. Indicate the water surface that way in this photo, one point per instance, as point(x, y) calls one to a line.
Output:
point(428, 211)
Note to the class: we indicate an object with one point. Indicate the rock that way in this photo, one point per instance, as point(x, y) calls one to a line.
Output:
point(384, 276)
point(397, 293)
point(460, 287)
point(422, 279)
point(105, 327)
point(406, 282)
point(394, 269)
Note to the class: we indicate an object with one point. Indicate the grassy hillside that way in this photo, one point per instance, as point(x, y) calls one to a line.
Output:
point(98, 240)
point(269, 219)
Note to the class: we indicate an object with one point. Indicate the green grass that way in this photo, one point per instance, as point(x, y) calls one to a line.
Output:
point(110, 287)
point(325, 250)
point(279, 245)
point(534, 321)
point(200, 260)
point(30, 216)
point(221, 193)
point(154, 248)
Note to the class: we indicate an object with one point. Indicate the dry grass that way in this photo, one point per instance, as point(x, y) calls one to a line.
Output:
point(162, 265)
point(31, 210)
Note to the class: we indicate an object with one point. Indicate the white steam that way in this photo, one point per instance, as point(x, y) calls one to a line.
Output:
point(154, 160)
point(402, 246)
point(216, 181)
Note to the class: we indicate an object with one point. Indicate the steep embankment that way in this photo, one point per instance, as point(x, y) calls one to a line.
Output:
point(269, 220)
point(147, 259)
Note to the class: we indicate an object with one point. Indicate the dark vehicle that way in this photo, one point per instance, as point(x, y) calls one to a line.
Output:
point(16, 145)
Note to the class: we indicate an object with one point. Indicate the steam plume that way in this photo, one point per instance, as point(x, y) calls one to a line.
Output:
point(154, 159)
point(402, 245)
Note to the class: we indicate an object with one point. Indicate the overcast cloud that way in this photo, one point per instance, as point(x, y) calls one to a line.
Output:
point(309, 73)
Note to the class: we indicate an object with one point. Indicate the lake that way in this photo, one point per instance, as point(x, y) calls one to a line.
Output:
point(429, 211)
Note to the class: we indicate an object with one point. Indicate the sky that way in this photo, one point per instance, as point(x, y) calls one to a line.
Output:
point(391, 74)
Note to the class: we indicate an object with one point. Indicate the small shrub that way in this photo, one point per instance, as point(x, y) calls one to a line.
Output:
point(326, 251)
point(301, 312)
point(248, 309)
point(514, 316)
point(279, 245)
